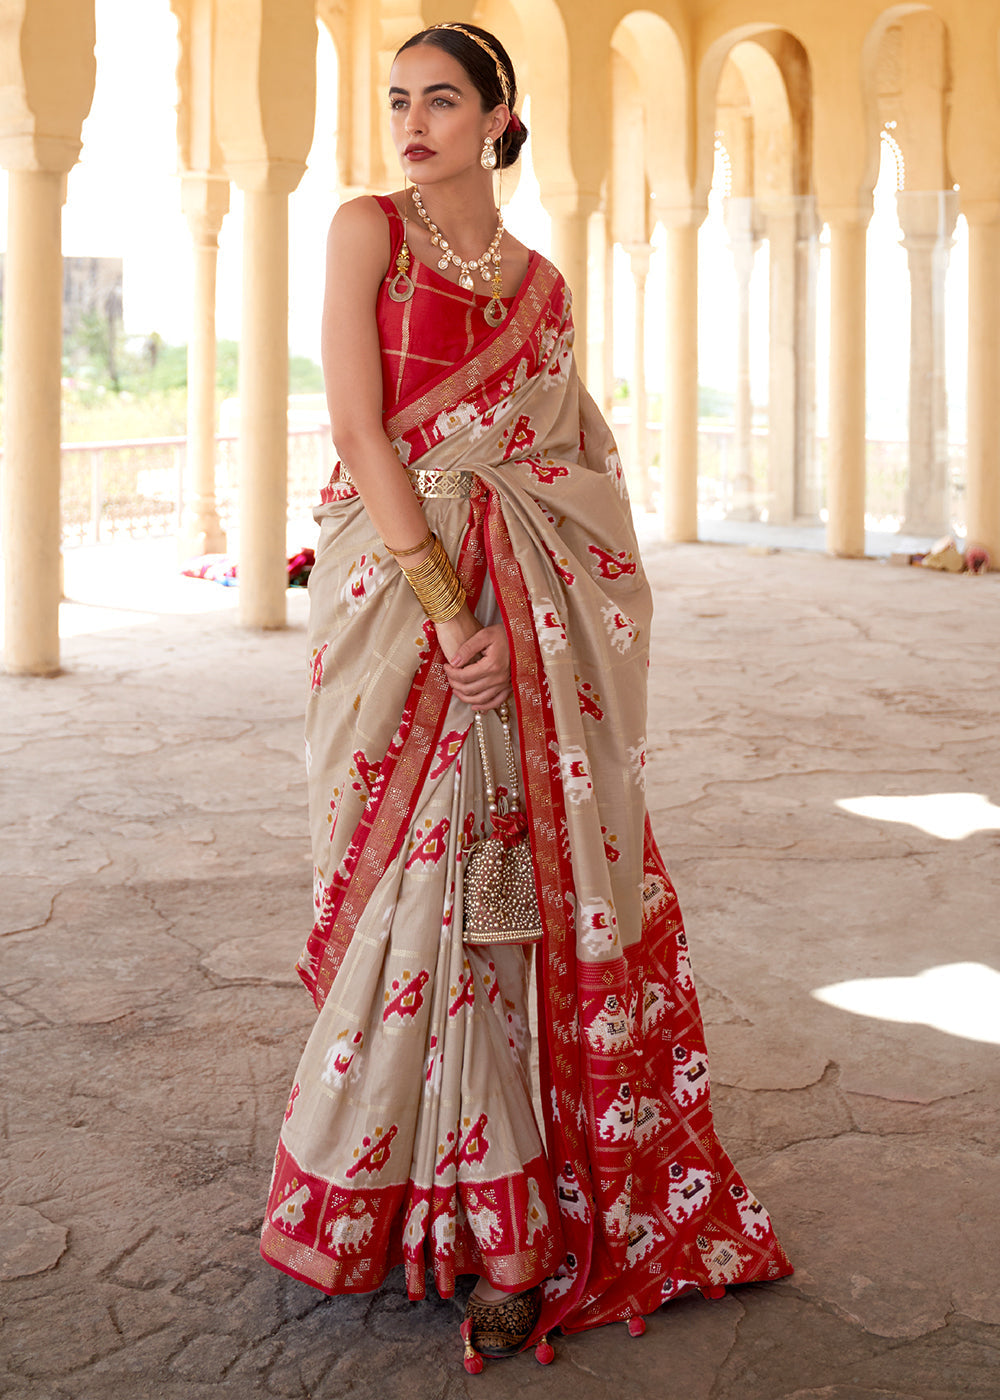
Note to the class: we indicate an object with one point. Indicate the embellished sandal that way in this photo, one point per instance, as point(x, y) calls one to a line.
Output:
point(502, 1328)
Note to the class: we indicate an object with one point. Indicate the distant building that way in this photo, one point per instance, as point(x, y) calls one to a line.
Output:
point(90, 286)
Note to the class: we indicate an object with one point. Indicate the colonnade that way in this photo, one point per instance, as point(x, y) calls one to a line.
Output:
point(246, 75)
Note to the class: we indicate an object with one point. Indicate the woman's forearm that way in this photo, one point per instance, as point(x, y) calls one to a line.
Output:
point(385, 492)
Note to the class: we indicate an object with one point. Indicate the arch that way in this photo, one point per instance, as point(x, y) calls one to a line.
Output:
point(873, 57)
point(332, 24)
point(539, 47)
point(764, 53)
point(652, 49)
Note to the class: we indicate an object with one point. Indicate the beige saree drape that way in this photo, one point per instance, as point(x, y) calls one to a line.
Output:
point(409, 1135)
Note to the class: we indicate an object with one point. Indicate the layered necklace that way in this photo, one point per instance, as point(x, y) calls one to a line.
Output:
point(487, 264)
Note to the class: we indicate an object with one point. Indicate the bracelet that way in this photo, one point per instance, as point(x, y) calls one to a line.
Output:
point(437, 587)
point(429, 538)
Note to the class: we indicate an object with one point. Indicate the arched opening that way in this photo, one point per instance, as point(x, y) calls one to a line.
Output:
point(915, 481)
point(649, 185)
point(758, 259)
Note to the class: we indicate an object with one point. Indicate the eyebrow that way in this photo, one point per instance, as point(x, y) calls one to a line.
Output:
point(434, 87)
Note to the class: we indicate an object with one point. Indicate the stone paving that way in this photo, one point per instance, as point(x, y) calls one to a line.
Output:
point(155, 885)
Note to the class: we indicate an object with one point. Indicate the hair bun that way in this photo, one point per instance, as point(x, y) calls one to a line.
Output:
point(512, 140)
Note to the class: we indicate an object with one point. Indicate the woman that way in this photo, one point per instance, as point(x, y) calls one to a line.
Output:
point(477, 546)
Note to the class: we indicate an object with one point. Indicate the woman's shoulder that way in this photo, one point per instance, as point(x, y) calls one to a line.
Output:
point(360, 237)
point(364, 215)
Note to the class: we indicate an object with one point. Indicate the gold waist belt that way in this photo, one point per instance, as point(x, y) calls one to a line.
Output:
point(428, 485)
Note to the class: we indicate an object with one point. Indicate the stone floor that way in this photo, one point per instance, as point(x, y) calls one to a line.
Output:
point(825, 784)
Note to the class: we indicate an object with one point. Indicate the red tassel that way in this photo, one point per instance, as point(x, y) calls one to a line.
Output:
point(510, 826)
point(714, 1290)
point(472, 1361)
point(636, 1326)
point(544, 1352)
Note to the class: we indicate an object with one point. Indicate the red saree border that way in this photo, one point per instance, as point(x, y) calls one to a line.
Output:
point(559, 1054)
point(600, 1281)
point(305, 1243)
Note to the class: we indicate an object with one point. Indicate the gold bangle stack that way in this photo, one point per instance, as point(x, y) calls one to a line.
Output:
point(436, 585)
point(414, 549)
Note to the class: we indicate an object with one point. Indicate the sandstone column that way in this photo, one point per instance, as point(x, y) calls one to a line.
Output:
point(744, 242)
point(640, 487)
point(791, 236)
point(570, 233)
point(983, 488)
point(808, 488)
point(679, 450)
point(845, 488)
point(928, 221)
point(32, 344)
point(205, 200)
point(783, 367)
point(264, 87)
point(47, 54)
point(599, 326)
point(264, 399)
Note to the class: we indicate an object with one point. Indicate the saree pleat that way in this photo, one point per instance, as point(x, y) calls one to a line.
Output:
point(410, 1135)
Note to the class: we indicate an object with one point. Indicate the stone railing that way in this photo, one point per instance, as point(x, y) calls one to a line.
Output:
point(135, 488)
point(722, 490)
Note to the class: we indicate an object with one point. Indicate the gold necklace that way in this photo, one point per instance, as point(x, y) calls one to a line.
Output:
point(487, 264)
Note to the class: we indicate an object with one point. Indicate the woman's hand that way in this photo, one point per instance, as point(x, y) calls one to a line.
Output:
point(478, 665)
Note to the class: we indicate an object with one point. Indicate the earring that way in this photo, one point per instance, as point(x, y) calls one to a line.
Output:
point(488, 159)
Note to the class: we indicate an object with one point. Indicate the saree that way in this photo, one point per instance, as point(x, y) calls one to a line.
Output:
point(410, 1135)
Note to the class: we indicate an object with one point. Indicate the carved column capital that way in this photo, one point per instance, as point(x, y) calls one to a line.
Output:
point(204, 203)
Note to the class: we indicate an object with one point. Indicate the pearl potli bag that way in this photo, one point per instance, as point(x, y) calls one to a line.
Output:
point(499, 901)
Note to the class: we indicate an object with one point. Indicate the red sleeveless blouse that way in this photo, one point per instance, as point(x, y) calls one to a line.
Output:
point(438, 328)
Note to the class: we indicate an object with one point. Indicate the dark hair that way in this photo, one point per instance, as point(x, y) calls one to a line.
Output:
point(483, 72)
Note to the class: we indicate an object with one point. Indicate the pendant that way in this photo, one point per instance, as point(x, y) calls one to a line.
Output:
point(465, 281)
point(495, 312)
point(401, 286)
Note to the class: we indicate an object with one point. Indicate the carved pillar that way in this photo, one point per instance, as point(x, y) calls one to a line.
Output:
point(263, 492)
point(599, 327)
point(679, 451)
point(744, 240)
point(570, 216)
point(47, 57)
point(640, 487)
point(32, 343)
point(808, 487)
point(845, 487)
point(264, 109)
point(792, 241)
point(205, 200)
point(983, 489)
point(927, 219)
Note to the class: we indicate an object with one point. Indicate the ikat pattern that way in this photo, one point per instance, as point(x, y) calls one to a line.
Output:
point(409, 1135)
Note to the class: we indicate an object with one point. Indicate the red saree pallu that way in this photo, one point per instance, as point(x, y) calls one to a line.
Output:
point(410, 1135)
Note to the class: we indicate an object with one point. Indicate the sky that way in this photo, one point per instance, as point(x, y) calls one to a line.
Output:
point(124, 201)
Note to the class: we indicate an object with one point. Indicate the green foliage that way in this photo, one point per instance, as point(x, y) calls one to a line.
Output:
point(92, 416)
point(304, 376)
point(227, 368)
point(715, 403)
point(136, 387)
